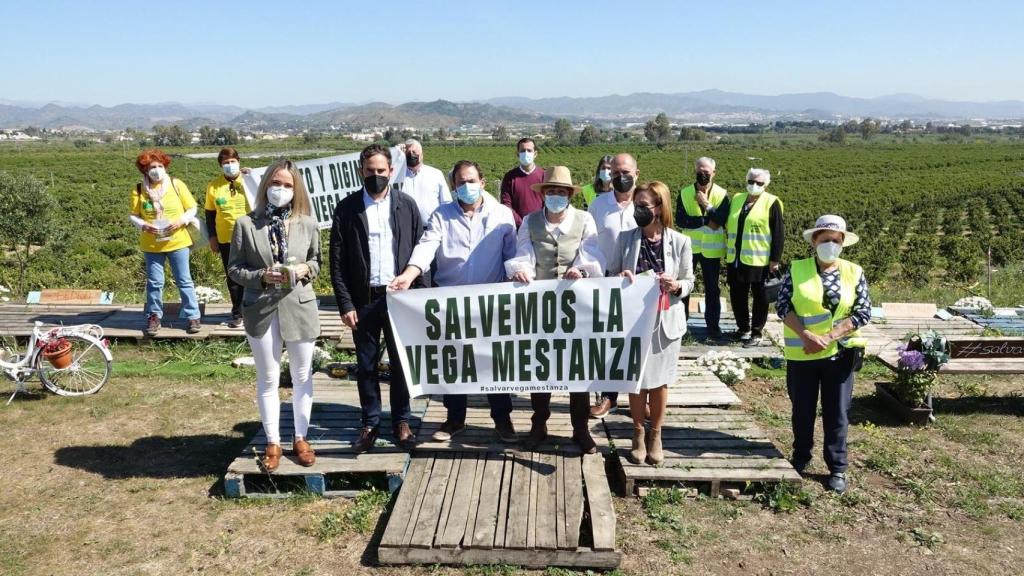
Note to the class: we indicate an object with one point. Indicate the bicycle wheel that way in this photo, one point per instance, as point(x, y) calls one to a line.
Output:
point(89, 370)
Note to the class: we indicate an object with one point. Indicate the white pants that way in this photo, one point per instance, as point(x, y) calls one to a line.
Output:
point(266, 351)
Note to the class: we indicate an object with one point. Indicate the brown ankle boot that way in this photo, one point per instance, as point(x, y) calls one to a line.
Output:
point(638, 452)
point(303, 453)
point(272, 457)
point(655, 456)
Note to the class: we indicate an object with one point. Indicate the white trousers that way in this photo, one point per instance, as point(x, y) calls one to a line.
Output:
point(266, 351)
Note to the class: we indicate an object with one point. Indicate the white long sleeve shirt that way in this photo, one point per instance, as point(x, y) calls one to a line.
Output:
point(428, 188)
point(589, 258)
point(467, 250)
point(380, 239)
point(612, 219)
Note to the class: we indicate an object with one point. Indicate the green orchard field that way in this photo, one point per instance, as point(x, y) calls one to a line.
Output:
point(926, 212)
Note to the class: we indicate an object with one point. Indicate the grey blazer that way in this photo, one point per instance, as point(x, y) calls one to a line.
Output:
point(678, 264)
point(250, 254)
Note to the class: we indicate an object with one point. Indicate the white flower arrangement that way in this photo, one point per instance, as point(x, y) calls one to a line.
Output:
point(320, 357)
point(4, 290)
point(207, 295)
point(728, 367)
point(973, 303)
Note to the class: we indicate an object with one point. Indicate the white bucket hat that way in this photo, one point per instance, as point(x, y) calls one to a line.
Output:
point(835, 224)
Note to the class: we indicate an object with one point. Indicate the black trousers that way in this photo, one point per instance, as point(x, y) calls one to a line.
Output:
point(501, 406)
point(833, 378)
point(579, 409)
point(739, 292)
point(710, 270)
point(373, 319)
point(235, 289)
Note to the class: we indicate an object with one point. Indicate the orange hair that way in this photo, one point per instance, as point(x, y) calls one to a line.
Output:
point(147, 157)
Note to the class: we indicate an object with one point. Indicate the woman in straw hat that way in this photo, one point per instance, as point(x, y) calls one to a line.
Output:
point(823, 303)
point(655, 247)
point(557, 241)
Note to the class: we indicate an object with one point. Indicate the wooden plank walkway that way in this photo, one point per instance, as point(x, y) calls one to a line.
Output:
point(523, 508)
point(703, 446)
point(697, 386)
point(697, 343)
point(965, 366)
point(334, 426)
point(885, 334)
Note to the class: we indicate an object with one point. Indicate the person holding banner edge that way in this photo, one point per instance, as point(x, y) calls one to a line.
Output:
point(613, 215)
point(557, 241)
point(372, 237)
point(654, 247)
point(463, 238)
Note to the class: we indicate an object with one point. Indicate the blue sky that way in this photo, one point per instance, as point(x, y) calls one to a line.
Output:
point(273, 53)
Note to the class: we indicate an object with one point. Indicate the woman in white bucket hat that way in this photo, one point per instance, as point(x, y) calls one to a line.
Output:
point(823, 303)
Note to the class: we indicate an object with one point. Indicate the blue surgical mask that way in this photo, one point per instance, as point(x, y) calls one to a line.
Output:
point(556, 204)
point(469, 192)
point(526, 158)
point(605, 175)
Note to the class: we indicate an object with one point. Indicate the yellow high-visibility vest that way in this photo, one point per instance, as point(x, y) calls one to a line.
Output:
point(705, 241)
point(808, 294)
point(756, 245)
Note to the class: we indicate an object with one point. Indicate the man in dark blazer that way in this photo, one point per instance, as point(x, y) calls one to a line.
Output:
point(372, 238)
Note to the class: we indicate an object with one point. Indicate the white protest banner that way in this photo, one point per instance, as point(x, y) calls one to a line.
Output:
point(547, 336)
point(331, 179)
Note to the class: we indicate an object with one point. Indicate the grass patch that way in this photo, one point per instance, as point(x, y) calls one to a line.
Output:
point(785, 497)
point(360, 517)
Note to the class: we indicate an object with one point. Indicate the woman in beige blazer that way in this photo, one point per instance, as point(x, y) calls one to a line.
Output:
point(275, 255)
point(655, 247)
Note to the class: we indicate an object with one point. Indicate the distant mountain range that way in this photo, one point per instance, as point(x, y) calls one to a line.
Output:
point(702, 106)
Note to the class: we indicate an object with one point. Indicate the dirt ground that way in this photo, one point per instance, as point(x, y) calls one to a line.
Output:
point(128, 482)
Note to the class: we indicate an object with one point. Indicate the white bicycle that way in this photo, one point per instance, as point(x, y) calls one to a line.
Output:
point(84, 365)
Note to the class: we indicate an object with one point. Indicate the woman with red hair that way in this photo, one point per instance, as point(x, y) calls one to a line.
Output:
point(161, 207)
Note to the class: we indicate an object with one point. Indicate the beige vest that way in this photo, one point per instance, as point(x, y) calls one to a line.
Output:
point(554, 257)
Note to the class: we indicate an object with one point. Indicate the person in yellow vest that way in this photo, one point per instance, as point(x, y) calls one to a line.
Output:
point(161, 207)
point(227, 200)
point(602, 181)
point(557, 241)
point(755, 234)
point(823, 303)
point(702, 214)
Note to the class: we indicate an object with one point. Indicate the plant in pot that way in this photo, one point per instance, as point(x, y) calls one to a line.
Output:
point(910, 393)
point(57, 352)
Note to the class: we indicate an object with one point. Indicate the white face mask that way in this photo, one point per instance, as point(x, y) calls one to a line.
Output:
point(156, 174)
point(828, 252)
point(526, 158)
point(755, 189)
point(231, 169)
point(605, 175)
point(279, 196)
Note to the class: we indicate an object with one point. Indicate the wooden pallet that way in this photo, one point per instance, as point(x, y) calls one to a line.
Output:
point(886, 334)
point(479, 433)
point(965, 366)
point(697, 386)
point(334, 427)
point(704, 447)
point(1008, 325)
point(531, 509)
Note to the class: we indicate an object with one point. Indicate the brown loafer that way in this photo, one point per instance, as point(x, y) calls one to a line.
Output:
point(367, 439)
point(404, 437)
point(272, 457)
point(303, 453)
point(602, 408)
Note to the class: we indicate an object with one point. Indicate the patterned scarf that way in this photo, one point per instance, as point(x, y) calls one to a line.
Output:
point(278, 232)
point(156, 195)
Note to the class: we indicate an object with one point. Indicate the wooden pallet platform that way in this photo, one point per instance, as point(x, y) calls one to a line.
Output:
point(334, 426)
point(703, 446)
point(479, 433)
point(886, 334)
point(965, 366)
point(1005, 324)
point(529, 509)
point(697, 386)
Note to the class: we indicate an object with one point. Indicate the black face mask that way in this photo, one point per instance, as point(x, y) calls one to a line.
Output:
point(703, 178)
point(412, 160)
point(643, 215)
point(375, 185)
point(623, 183)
